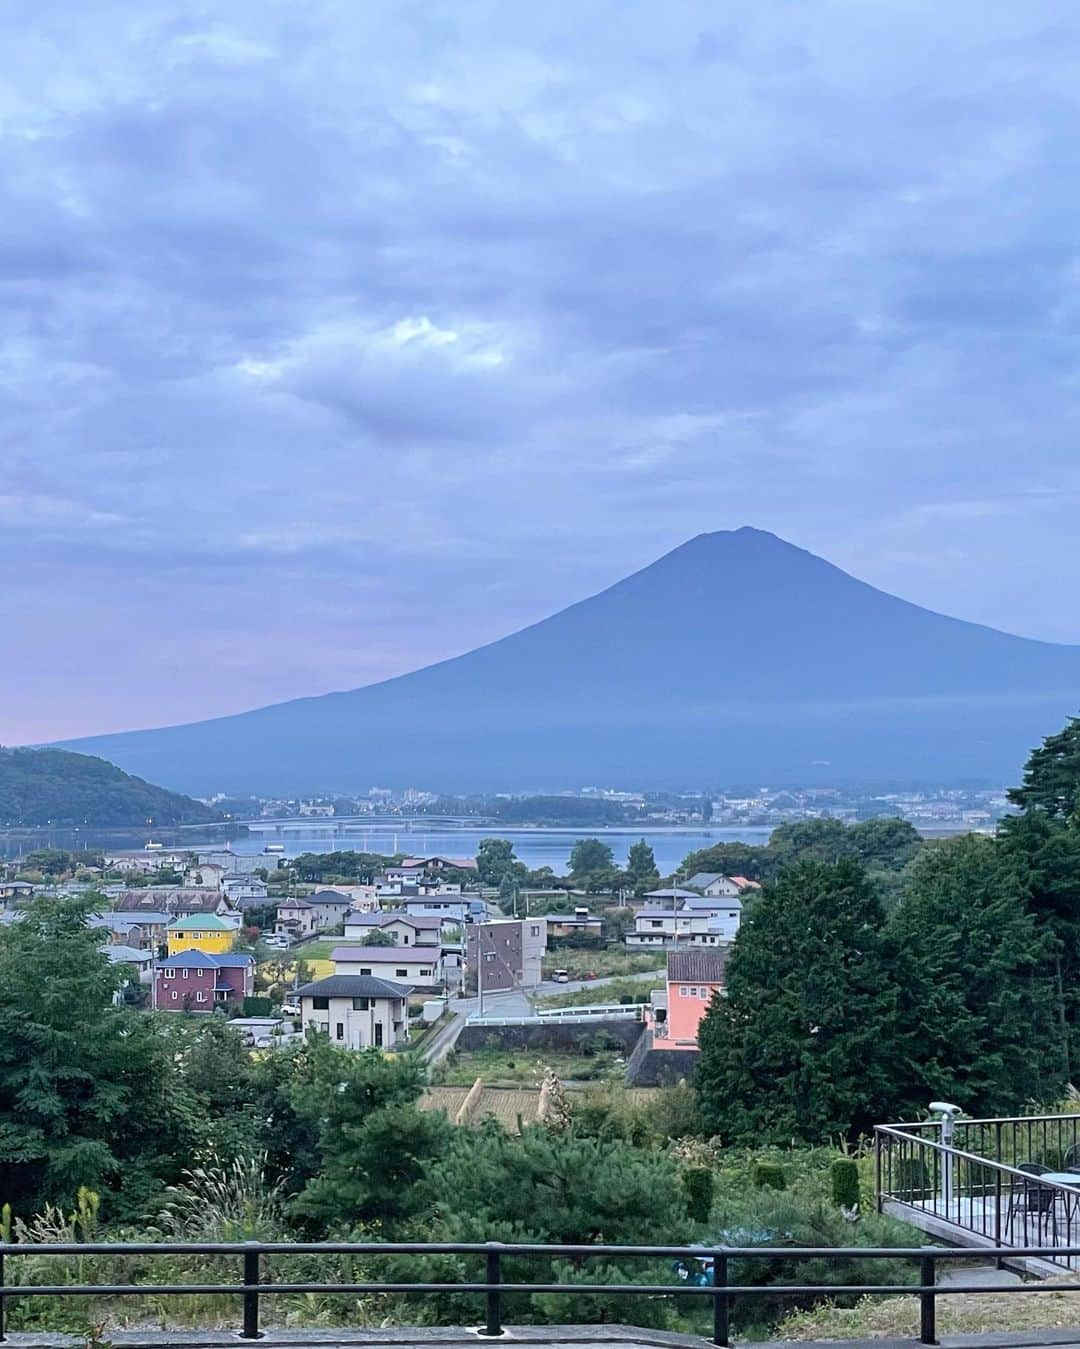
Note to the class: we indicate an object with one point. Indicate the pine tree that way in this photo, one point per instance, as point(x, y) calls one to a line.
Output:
point(801, 1046)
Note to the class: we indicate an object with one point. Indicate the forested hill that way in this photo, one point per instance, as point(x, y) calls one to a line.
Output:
point(54, 786)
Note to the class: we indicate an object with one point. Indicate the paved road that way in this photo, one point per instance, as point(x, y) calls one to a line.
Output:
point(516, 1003)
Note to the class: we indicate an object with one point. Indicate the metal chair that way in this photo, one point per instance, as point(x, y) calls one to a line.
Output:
point(1029, 1197)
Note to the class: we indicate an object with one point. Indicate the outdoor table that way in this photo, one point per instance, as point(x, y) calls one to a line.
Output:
point(1071, 1180)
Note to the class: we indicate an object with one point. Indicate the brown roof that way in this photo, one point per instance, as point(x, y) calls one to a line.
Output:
point(168, 901)
point(697, 967)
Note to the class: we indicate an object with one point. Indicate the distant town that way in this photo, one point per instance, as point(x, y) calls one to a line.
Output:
point(929, 808)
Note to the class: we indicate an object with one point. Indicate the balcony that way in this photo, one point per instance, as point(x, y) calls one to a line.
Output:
point(999, 1184)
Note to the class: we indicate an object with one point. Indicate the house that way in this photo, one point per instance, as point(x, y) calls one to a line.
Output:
point(693, 978)
point(405, 930)
point(455, 909)
point(204, 932)
point(692, 920)
point(145, 930)
point(177, 903)
point(356, 1011)
point(13, 893)
point(433, 865)
point(715, 885)
point(330, 907)
point(505, 953)
point(420, 968)
point(244, 891)
point(141, 961)
point(295, 918)
point(199, 981)
point(577, 924)
point(204, 874)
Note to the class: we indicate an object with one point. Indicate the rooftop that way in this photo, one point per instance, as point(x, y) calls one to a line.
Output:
point(386, 954)
point(703, 967)
point(201, 922)
point(352, 986)
point(205, 960)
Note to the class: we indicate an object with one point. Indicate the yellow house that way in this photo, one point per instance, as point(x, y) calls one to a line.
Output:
point(200, 932)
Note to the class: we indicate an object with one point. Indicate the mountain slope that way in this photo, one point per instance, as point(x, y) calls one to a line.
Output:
point(51, 786)
point(735, 657)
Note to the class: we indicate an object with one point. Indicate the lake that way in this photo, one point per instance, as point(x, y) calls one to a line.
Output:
point(536, 846)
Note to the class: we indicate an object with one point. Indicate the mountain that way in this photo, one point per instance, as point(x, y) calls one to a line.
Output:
point(52, 786)
point(735, 658)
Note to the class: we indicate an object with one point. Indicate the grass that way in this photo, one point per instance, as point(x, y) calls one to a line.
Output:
point(957, 1314)
point(525, 1067)
point(602, 961)
point(636, 989)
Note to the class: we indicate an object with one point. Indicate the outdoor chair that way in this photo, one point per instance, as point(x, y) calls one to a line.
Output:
point(1027, 1197)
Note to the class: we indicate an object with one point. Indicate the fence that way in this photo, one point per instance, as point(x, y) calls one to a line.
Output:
point(491, 1289)
point(986, 1183)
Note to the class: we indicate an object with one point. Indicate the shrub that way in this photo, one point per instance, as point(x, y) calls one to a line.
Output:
point(698, 1184)
point(844, 1182)
point(769, 1176)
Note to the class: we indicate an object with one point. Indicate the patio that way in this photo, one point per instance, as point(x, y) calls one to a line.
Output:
point(1000, 1184)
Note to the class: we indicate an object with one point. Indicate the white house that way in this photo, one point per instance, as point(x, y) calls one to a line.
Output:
point(715, 885)
point(356, 1011)
point(244, 890)
point(405, 929)
point(694, 921)
point(419, 967)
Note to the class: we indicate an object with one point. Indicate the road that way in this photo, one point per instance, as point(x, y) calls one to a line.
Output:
point(516, 1002)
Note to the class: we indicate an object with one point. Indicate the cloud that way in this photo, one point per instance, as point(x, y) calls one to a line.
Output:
point(459, 312)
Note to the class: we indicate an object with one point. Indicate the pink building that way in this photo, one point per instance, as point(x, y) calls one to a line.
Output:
point(692, 979)
point(196, 981)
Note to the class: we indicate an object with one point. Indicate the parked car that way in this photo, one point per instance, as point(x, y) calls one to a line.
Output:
point(560, 976)
point(289, 1009)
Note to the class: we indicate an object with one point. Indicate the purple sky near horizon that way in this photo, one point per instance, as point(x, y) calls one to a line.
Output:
point(337, 339)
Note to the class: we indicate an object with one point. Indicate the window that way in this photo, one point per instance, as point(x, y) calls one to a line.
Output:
point(684, 992)
point(534, 931)
point(489, 956)
point(401, 974)
point(656, 922)
point(200, 996)
point(705, 993)
point(425, 969)
point(363, 971)
point(200, 973)
point(341, 1030)
point(174, 995)
point(186, 973)
point(320, 1004)
point(169, 974)
point(196, 936)
point(361, 1004)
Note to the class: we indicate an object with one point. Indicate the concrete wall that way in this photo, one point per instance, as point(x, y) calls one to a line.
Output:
point(548, 1035)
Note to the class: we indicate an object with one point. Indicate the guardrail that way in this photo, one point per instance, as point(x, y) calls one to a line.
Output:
point(989, 1200)
point(626, 1010)
point(715, 1261)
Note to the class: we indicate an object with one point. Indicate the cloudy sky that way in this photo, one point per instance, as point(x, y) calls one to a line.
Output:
point(339, 337)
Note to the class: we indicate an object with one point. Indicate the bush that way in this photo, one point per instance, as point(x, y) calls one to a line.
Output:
point(769, 1176)
point(844, 1182)
point(258, 1007)
point(698, 1184)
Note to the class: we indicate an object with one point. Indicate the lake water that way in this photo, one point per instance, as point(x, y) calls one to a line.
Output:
point(536, 847)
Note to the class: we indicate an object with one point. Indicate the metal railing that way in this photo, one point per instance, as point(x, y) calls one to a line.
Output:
point(977, 1185)
point(255, 1255)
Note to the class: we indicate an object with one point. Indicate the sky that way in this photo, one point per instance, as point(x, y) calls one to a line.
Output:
point(337, 338)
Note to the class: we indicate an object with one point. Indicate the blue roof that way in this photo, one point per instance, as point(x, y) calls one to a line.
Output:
point(204, 960)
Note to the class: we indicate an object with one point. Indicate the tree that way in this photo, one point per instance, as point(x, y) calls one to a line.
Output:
point(589, 855)
point(1052, 775)
point(800, 1046)
point(729, 859)
point(885, 844)
point(495, 859)
point(641, 868)
point(976, 990)
point(88, 1096)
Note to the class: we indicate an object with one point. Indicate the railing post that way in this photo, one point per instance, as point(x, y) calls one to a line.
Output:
point(3, 1331)
point(721, 1301)
point(997, 1215)
point(493, 1326)
point(251, 1297)
point(927, 1301)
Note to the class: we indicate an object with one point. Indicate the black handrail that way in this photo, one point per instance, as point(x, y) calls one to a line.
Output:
point(493, 1287)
